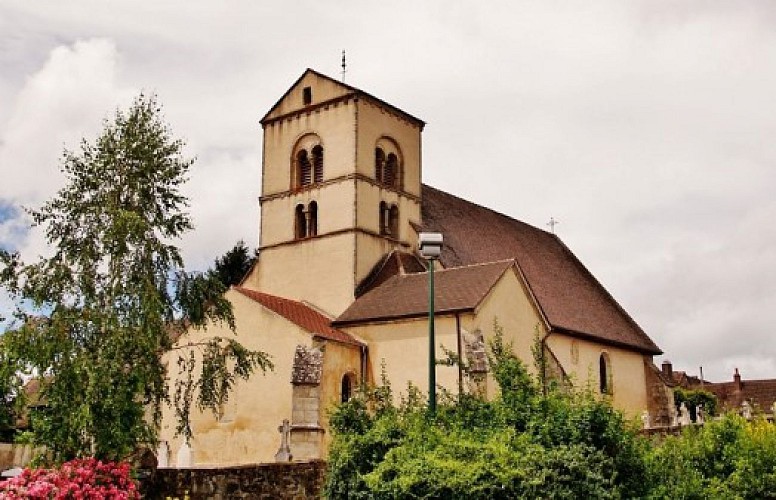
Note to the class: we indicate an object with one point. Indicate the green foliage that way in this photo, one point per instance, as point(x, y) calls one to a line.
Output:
point(726, 458)
point(692, 398)
point(524, 444)
point(231, 267)
point(114, 296)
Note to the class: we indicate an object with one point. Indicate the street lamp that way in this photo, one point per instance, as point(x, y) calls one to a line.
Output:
point(430, 246)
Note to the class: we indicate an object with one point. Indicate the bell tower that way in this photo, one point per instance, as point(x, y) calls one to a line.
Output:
point(340, 188)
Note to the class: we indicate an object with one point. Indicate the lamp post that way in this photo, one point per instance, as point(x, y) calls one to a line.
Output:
point(430, 246)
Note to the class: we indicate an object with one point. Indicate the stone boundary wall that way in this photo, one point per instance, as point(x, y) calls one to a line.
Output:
point(16, 455)
point(292, 480)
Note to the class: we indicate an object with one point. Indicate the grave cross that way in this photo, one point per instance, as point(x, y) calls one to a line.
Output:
point(284, 452)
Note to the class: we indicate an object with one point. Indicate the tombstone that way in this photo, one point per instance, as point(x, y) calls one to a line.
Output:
point(163, 455)
point(684, 415)
point(183, 459)
point(773, 411)
point(284, 452)
point(16, 471)
point(699, 418)
point(746, 410)
point(645, 419)
point(674, 416)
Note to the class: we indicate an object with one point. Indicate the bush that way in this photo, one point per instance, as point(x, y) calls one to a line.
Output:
point(523, 444)
point(82, 478)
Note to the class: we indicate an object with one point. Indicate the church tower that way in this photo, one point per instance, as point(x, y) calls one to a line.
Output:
point(341, 180)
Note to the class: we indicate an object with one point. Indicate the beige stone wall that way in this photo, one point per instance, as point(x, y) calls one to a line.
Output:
point(323, 90)
point(627, 370)
point(403, 346)
point(248, 431)
point(338, 360)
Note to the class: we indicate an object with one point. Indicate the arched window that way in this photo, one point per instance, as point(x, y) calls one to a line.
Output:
point(391, 174)
point(393, 221)
point(604, 374)
point(300, 222)
point(388, 163)
point(317, 164)
point(307, 162)
point(379, 164)
point(312, 223)
point(347, 388)
point(303, 169)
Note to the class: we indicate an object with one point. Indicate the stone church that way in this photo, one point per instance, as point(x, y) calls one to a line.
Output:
point(340, 291)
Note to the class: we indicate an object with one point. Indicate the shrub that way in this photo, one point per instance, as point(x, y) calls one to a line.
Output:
point(81, 478)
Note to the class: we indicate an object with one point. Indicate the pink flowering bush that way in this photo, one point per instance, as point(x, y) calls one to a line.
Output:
point(76, 479)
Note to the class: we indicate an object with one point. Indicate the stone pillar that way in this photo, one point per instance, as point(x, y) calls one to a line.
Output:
point(477, 359)
point(306, 431)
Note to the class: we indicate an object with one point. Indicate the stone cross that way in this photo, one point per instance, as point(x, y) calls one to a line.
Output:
point(284, 452)
point(674, 416)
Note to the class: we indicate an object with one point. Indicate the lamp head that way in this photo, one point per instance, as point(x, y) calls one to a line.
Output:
point(430, 245)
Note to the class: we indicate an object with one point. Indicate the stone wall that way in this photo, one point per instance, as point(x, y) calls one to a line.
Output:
point(294, 480)
point(16, 455)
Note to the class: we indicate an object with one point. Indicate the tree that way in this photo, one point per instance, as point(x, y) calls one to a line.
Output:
point(234, 264)
point(114, 296)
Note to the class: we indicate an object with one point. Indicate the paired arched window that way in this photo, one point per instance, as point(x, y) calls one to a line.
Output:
point(307, 162)
point(389, 220)
point(306, 220)
point(604, 374)
point(388, 168)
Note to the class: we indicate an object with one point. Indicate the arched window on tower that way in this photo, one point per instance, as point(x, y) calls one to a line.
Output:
point(303, 169)
point(604, 374)
point(312, 222)
point(317, 164)
point(393, 222)
point(300, 222)
point(391, 170)
point(379, 164)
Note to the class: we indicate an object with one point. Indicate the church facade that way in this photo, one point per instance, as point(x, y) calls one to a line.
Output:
point(339, 291)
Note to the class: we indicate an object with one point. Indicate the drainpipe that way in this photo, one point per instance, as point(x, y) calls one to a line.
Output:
point(363, 367)
point(460, 354)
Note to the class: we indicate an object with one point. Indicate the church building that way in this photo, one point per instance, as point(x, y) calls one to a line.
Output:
point(339, 292)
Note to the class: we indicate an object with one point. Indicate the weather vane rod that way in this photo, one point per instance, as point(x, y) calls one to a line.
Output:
point(344, 67)
point(553, 222)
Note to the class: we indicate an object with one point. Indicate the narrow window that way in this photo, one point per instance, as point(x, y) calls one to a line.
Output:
point(303, 169)
point(391, 167)
point(393, 223)
point(383, 218)
point(307, 95)
point(347, 388)
point(317, 164)
point(604, 373)
point(379, 164)
point(312, 213)
point(300, 223)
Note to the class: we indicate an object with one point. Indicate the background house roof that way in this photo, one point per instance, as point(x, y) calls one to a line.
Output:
point(406, 295)
point(300, 314)
point(569, 296)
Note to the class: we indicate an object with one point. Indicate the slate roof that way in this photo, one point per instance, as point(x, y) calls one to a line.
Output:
point(301, 315)
point(568, 295)
point(406, 295)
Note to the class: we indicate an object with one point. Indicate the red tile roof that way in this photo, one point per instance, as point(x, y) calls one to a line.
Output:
point(406, 295)
point(569, 296)
point(301, 315)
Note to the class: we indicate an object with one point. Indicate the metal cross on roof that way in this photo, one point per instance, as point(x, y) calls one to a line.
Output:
point(553, 222)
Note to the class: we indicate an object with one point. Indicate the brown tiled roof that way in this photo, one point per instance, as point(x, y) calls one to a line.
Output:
point(406, 295)
point(300, 314)
point(570, 298)
point(760, 393)
point(393, 263)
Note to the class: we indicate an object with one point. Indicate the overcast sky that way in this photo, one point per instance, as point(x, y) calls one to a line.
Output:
point(648, 129)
